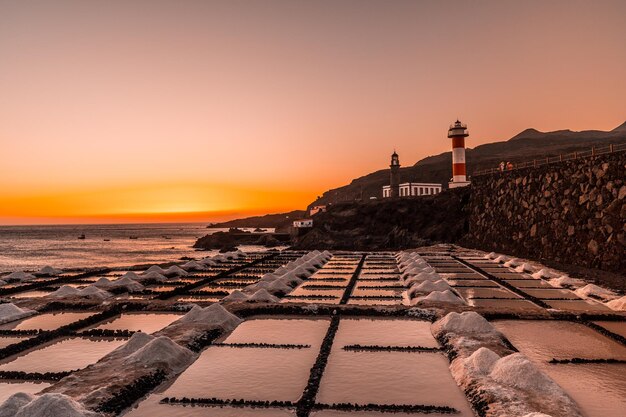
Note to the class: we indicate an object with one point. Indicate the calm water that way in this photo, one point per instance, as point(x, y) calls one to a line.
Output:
point(32, 247)
point(600, 389)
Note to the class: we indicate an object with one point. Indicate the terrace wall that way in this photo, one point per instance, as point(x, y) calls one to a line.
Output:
point(571, 212)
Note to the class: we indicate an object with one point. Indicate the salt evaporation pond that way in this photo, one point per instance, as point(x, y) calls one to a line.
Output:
point(8, 388)
point(30, 294)
point(600, 389)
point(617, 327)
point(542, 340)
point(384, 332)
point(505, 303)
point(336, 413)
point(152, 408)
point(147, 323)
point(478, 292)
point(390, 378)
point(368, 292)
point(280, 331)
point(375, 301)
point(364, 284)
point(318, 291)
point(66, 355)
point(577, 305)
point(46, 321)
point(246, 373)
point(9, 340)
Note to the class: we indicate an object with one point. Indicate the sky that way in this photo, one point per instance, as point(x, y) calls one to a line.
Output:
point(125, 111)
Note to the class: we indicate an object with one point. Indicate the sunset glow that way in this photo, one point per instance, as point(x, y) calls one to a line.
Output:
point(207, 110)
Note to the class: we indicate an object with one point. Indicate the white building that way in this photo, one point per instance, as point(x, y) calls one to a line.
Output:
point(303, 223)
point(413, 189)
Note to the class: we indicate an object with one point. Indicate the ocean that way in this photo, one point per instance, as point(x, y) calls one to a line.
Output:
point(32, 247)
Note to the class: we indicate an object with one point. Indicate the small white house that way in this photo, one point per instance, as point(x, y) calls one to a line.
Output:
point(413, 189)
point(302, 223)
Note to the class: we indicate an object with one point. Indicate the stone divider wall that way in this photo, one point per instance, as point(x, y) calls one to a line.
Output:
point(570, 212)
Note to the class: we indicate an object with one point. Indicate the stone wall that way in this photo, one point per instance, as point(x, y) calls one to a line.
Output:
point(571, 212)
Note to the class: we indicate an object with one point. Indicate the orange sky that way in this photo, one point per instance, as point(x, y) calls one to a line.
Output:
point(203, 110)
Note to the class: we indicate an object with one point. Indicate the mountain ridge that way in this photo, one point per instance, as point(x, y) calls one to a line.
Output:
point(527, 145)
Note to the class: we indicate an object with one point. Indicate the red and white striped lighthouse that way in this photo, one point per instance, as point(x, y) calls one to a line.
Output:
point(458, 133)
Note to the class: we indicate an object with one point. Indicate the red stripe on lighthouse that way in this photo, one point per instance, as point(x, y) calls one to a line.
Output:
point(458, 169)
point(458, 142)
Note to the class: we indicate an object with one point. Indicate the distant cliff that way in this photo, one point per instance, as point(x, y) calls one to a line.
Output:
point(281, 221)
point(528, 144)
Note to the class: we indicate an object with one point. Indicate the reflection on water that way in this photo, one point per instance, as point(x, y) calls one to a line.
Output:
point(469, 293)
point(152, 408)
point(577, 305)
point(600, 389)
point(9, 340)
point(66, 355)
point(617, 327)
point(147, 323)
point(31, 247)
point(247, 373)
point(375, 301)
point(384, 332)
point(333, 413)
point(46, 321)
point(280, 331)
point(8, 388)
point(543, 340)
point(507, 304)
point(390, 378)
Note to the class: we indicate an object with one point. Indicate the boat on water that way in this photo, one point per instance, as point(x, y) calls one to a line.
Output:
point(81, 237)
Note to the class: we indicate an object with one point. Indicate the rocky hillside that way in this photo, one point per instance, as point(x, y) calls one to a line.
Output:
point(526, 145)
point(281, 221)
point(390, 224)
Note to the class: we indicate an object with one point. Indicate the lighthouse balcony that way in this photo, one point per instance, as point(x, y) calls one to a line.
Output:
point(456, 131)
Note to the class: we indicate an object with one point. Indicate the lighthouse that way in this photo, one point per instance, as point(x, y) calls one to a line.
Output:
point(394, 181)
point(458, 133)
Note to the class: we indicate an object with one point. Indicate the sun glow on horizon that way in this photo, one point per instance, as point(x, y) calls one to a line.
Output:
point(149, 203)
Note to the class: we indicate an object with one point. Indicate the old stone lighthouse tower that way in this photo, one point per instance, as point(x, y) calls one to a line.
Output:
point(394, 180)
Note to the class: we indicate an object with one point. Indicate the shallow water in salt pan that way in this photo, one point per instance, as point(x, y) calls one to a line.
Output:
point(147, 323)
point(506, 304)
point(390, 378)
point(600, 389)
point(8, 388)
point(384, 332)
point(30, 294)
point(280, 331)
point(375, 301)
point(334, 413)
point(246, 373)
point(617, 327)
point(543, 340)
point(152, 408)
point(65, 355)
point(46, 321)
point(9, 340)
